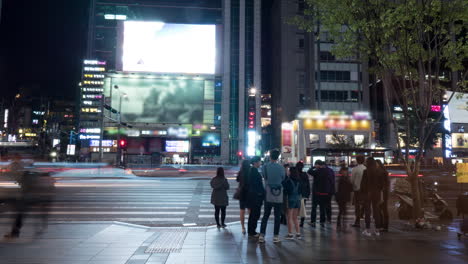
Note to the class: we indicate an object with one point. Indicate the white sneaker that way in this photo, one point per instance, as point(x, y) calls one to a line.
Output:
point(366, 233)
point(377, 233)
point(276, 239)
point(298, 236)
point(289, 237)
point(261, 239)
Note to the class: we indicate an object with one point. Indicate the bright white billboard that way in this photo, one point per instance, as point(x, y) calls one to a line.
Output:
point(458, 107)
point(168, 48)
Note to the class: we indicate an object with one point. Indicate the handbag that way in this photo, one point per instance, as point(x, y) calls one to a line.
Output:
point(302, 211)
point(237, 193)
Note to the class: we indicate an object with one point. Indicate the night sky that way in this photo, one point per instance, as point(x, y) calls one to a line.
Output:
point(42, 44)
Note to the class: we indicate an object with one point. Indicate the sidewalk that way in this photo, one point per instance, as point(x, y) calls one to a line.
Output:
point(119, 243)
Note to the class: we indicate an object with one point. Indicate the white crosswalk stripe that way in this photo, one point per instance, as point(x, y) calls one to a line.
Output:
point(166, 203)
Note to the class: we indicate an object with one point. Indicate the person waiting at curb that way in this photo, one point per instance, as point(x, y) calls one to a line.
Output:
point(274, 175)
point(219, 197)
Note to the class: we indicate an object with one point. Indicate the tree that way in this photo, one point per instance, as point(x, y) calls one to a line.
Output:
point(411, 46)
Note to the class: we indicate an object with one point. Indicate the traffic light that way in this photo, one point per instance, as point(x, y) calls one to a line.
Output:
point(123, 143)
point(239, 154)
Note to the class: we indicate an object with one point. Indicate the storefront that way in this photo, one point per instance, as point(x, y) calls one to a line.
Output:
point(325, 130)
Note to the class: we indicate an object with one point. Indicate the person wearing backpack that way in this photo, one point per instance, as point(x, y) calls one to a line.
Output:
point(274, 175)
point(292, 188)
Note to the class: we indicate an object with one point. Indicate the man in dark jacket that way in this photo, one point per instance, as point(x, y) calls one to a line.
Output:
point(321, 191)
point(255, 197)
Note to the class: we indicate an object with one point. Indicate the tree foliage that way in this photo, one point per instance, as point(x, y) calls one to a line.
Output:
point(413, 46)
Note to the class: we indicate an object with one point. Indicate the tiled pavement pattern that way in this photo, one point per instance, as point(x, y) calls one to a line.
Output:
point(154, 202)
point(112, 243)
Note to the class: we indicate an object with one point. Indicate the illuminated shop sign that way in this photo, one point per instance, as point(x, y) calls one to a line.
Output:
point(105, 143)
point(154, 132)
point(90, 110)
point(95, 76)
point(92, 96)
point(181, 132)
point(94, 62)
point(251, 142)
point(90, 130)
point(177, 146)
point(100, 90)
point(318, 115)
point(85, 136)
point(94, 82)
point(436, 108)
point(95, 69)
point(337, 124)
point(115, 17)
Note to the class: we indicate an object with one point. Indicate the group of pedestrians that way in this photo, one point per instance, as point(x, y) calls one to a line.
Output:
point(285, 190)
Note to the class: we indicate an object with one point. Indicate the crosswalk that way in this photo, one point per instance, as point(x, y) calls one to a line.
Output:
point(146, 202)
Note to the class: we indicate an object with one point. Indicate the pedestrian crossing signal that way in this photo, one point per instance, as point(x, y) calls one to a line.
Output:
point(123, 143)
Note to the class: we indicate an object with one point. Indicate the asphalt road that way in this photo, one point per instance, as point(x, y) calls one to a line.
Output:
point(144, 201)
point(161, 201)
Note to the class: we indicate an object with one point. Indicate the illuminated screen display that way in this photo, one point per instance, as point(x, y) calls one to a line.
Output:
point(459, 140)
point(171, 48)
point(211, 140)
point(160, 100)
point(177, 146)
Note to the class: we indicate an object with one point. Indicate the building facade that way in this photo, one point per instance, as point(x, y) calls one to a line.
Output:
point(208, 109)
point(304, 72)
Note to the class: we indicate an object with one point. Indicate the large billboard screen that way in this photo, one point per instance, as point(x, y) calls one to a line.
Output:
point(168, 48)
point(159, 100)
point(458, 107)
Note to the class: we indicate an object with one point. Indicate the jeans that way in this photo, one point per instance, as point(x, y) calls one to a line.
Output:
point(266, 214)
point(253, 219)
point(372, 203)
point(323, 201)
point(223, 214)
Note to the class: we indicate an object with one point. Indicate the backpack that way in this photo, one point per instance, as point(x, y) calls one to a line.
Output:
point(294, 195)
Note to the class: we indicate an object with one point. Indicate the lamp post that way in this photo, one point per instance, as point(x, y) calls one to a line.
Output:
point(119, 150)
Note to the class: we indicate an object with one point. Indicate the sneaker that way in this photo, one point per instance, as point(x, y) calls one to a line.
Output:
point(276, 239)
point(312, 224)
point(366, 233)
point(261, 239)
point(356, 225)
point(329, 222)
point(254, 235)
point(289, 237)
point(322, 224)
point(223, 226)
point(218, 226)
point(298, 236)
point(376, 233)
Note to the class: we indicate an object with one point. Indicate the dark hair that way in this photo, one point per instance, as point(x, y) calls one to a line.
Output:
point(370, 163)
point(300, 166)
point(286, 165)
point(255, 159)
point(245, 167)
point(294, 173)
point(220, 172)
point(274, 155)
point(380, 165)
point(360, 159)
point(319, 162)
